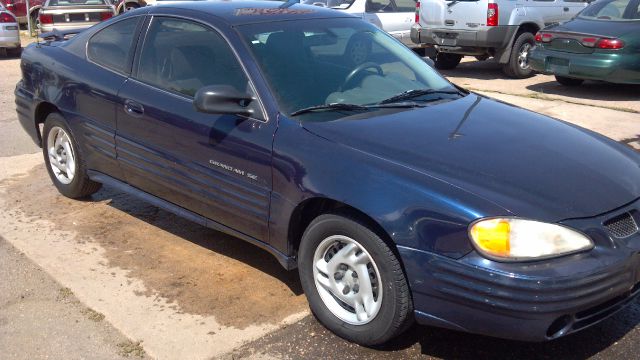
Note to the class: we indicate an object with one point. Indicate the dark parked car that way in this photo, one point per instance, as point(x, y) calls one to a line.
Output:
point(398, 195)
point(601, 43)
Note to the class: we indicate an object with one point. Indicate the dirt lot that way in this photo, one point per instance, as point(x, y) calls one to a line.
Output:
point(178, 290)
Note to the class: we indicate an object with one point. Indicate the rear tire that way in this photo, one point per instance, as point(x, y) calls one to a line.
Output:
point(446, 61)
point(367, 308)
point(518, 65)
point(64, 162)
point(566, 81)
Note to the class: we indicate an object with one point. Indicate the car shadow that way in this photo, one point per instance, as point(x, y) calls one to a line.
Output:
point(481, 70)
point(207, 238)
point(447, 344)
point(591, 90)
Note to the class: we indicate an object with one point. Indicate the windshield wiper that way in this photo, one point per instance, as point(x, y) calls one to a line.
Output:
point(332, 106)
point(410, 94)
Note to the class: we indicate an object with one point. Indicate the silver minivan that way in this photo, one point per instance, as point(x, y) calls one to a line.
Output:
point(503, 29)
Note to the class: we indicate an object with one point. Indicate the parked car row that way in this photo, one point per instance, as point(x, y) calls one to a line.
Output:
point(19, 8)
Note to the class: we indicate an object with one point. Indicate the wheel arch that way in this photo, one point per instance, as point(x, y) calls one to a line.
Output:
point(309, 209)
point(43, 109)
point(528, 26)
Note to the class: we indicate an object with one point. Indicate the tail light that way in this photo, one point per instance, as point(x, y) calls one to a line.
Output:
point(589, 41)
point(417, 18)
point(492, 15)
point(9, 4)
point(105, 16)
point(610, 44)
point(542, 37)
point(7, 18)
point(45, 19)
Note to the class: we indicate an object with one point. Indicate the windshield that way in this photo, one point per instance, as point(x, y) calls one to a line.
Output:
point(341, 60)
point(612, 10)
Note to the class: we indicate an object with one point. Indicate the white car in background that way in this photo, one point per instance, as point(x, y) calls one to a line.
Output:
point(393, 16)
point(9, 33)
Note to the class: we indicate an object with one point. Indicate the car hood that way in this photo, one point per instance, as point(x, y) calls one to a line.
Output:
point(614, 29)
point(529, 164)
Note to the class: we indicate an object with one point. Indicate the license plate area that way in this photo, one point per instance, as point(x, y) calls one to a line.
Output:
point(557, 65)
point(446, 39)
point(77, 17)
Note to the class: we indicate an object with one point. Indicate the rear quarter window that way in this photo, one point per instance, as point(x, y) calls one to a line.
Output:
point(111, 46)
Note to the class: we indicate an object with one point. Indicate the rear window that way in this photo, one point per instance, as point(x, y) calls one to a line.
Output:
point(76, 2)
point(111, 46)
point(612, 10)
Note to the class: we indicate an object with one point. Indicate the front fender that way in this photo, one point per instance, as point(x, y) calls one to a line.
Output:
point(415, 210)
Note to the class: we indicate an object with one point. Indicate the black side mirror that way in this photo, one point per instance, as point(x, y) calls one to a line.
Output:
point(223, 99)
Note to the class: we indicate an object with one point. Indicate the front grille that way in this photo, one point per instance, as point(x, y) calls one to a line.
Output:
point(622, 226)
point(593, 315)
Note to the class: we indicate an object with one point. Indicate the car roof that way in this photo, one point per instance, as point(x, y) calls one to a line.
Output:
point(238, 12)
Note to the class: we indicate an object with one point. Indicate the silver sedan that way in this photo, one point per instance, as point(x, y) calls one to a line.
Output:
point(9, 33)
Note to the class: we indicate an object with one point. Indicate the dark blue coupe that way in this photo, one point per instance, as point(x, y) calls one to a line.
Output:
point(321, 139)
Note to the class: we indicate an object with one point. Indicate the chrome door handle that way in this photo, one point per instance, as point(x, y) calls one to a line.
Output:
point(133, 108)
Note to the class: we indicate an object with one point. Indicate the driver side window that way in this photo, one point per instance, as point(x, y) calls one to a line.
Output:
point(182, 56)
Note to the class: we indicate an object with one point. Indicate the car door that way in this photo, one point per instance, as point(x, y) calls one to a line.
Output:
point(549, 10)
point(93, 87)
point(218, 166)
point(392, 16)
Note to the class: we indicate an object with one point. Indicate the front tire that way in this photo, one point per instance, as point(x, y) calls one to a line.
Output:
point(64, 162)
point(566, 81)
point(518, 65)
point(353, 280)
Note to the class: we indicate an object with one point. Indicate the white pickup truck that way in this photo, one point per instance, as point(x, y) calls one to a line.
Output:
point(503, 29)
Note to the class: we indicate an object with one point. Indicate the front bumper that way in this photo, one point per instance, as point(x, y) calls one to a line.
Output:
point(464, 41)
point(615, 67)
point(534, 301)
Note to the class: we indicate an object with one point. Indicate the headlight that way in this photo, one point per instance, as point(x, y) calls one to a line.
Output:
point(517, 239)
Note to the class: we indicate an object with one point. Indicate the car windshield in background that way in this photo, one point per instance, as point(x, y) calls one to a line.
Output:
point(320, 62)
point(612, 10)
point(340, 4)
point(76, 2)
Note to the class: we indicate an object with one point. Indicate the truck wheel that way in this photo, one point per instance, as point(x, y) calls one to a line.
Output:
point(64, 162)
point(518, 65)
point(446, 61)
point(568, 81)
point(353, 280)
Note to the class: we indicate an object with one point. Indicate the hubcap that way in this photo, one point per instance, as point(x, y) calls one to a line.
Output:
point(347, 280)
point(61, 156)
point(523, 56)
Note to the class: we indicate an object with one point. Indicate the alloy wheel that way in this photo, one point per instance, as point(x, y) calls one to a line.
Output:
point(347, 279)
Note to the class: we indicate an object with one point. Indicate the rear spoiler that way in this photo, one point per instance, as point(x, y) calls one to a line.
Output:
point(60, 35)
